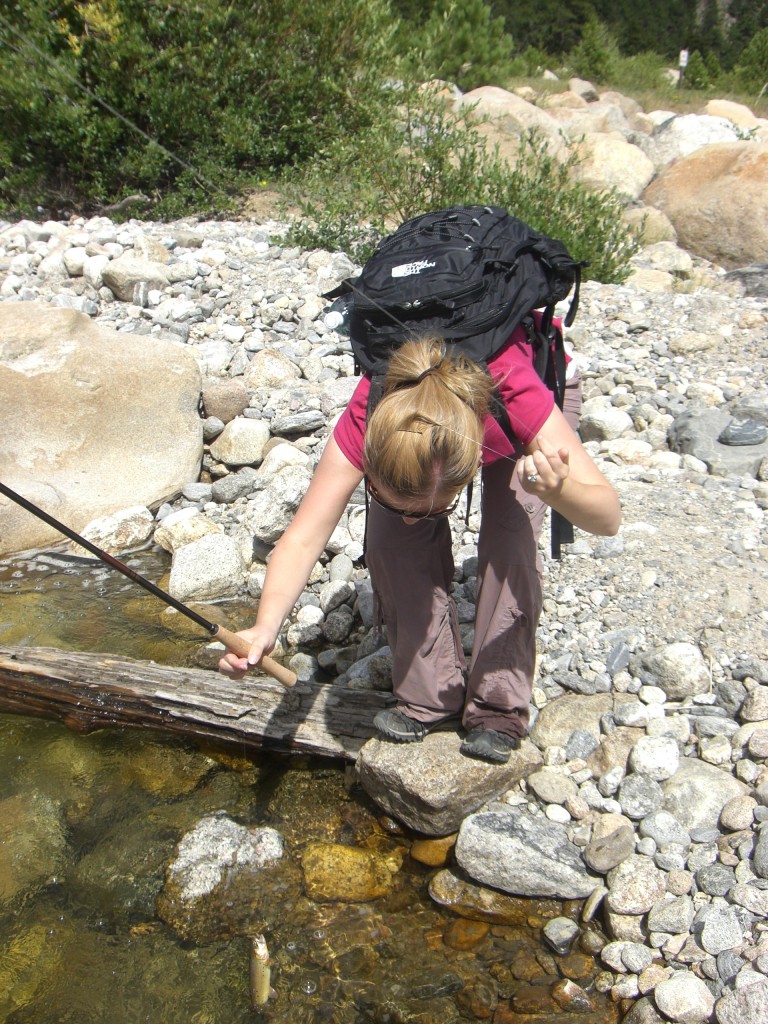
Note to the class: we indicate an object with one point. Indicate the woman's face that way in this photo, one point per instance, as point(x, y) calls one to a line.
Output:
point(413, 510)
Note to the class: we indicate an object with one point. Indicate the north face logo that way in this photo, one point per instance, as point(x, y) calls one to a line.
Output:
point(407, 269)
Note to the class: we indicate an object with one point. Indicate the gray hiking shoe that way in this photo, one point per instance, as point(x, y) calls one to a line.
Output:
point(489, 745)
point(395, 725)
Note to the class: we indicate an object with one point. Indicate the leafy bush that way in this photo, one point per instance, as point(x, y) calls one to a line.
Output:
point(531, 63)
point(463, 42)
point(192, 95)
point(640, 72)
point(427, 157)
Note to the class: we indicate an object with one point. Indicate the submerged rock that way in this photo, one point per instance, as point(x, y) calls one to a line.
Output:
point(33, 845)
point(465, 898)
point(215, 886)
point(336, 872)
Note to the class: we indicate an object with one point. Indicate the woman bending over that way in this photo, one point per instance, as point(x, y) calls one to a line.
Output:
point(423, 443)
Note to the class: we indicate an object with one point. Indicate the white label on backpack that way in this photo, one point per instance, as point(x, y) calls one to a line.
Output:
point(406, 269)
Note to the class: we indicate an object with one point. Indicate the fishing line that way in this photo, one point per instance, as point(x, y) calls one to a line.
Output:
point(235, 643)
point(202, 180)
point(46, 58)
point(56, 66)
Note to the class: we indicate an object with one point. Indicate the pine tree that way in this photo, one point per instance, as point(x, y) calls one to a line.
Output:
point(747, 18)
point(695, 75)
point(654, 26)
point(596, 55)
point(463, 42)
point(752, 69)
point(710, 35)
point(551, 26)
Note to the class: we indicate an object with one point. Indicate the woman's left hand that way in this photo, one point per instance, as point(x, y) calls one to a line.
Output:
point(544, 471)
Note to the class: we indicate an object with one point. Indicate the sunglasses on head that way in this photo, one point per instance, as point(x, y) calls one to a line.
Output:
point(407, 513)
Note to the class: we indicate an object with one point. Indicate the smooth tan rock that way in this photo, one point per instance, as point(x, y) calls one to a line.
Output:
point(557, 720)
point(648, 280)
point(609, 161)
point(564, 99)
point(717, 200)
point(96, 420)
point(225, 399)
point(123, 274)
point(604, 853)
point(345, 873)
point(463, 933)
point(736, 112)
point(653, 225)
point(626, 104)
point(430, 786)
point(184, 527)
point(504, 116)
point(270, 369)
point(433, 852)
point(634, 886)
point(614, 749)
point(738, 813)
point(476, 902)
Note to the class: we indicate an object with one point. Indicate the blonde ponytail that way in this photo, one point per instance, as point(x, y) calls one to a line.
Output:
point(426, 432)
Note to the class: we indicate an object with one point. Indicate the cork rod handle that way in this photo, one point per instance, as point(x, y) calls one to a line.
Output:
point(241, 648)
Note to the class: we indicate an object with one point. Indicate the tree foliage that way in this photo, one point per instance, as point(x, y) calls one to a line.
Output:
point(696, 75)
point(144, 95)
point(550, 26)
point(463, 42)
point(752, 69)
point(193, 101)
point(596, 57)
point(431, 158)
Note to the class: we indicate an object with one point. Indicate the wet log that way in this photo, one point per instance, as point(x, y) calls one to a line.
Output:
point(94, 691)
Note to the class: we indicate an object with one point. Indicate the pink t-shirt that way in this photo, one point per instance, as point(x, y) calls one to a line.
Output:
point(526, 397)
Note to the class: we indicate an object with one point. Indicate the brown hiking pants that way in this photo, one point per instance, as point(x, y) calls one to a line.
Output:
point(412, 569)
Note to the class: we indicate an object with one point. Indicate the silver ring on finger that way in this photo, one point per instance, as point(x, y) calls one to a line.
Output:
point(532, 478)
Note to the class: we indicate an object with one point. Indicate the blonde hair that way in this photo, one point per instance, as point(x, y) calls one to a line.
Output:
point(424, 436)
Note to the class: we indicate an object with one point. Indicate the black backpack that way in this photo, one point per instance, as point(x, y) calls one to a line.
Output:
point(469, 275)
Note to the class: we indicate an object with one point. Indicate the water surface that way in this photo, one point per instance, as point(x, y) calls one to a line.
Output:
point(88, 825)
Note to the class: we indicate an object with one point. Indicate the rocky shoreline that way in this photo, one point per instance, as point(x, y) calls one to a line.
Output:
point(642, 788)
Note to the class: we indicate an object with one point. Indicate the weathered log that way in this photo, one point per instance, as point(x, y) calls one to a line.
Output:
point(93, 691)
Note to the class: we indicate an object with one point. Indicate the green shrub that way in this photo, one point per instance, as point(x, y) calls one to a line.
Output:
point(192, 95)
point(752, 68)
point(597, 54)
point(696, 75)
point(640, 72)
point(427, 157)
point(532, 62)
point(713, 66)
point(463, 42)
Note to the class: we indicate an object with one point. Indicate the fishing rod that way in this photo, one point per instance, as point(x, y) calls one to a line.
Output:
point(231, 640)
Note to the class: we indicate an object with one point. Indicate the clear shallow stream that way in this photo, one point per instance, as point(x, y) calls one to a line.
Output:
point(88, 825)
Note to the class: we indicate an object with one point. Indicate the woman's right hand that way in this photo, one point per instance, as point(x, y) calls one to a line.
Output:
point(261, 642)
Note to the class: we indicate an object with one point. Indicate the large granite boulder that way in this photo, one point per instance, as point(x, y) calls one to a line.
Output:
point(717, 200)
point(503, 117)
point(609, 161)
point(430, 786)
point(683, 134)
point(96, 420)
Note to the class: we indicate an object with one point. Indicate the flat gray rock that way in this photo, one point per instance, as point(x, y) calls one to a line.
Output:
point(524, 854)
point(430, 786)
